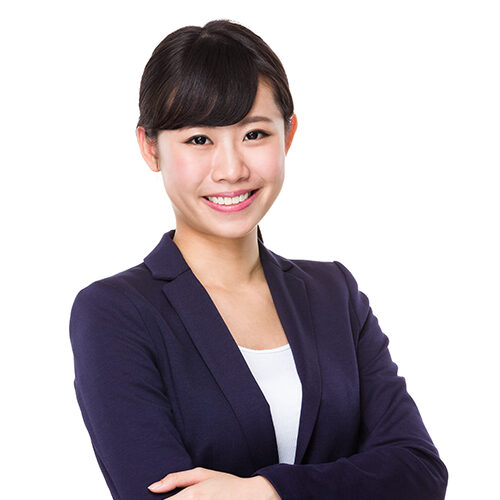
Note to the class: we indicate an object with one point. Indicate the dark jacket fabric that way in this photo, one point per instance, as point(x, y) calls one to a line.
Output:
point(163, 387)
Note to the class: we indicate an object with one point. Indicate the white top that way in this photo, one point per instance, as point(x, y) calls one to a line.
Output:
point(275, 372)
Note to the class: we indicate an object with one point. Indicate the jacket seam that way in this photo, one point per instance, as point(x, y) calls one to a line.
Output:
point(124, 294)
point(152, 343)
point(351, 306)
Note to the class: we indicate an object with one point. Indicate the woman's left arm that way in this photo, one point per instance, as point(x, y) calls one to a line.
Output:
point(396, 457)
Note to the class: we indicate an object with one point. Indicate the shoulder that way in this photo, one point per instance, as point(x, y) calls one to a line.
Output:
point(320, 272)
point(331, 279)
point(112, 313)
point(122, 295)
point(129, 283)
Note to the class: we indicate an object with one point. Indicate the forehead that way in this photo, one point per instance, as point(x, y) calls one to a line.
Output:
point(265, 103)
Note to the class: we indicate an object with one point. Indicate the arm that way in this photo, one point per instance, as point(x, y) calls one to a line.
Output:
point(121, 394)
point(396, 458)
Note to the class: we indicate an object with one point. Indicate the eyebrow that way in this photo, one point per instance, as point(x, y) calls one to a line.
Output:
point(242, 123)
point(253, 119)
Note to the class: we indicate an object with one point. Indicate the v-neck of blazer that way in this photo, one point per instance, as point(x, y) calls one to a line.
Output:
point(222, 355)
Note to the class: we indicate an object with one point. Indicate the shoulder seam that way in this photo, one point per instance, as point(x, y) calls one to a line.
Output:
point(351, 306)
point(124, 294)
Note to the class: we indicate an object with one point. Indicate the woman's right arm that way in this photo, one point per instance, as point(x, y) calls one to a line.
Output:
point(121, 394)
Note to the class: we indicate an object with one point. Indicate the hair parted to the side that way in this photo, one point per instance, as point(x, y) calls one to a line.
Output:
point(208, 76)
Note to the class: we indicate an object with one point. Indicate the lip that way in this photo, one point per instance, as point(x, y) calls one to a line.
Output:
point(230, 194)
point(233, 208)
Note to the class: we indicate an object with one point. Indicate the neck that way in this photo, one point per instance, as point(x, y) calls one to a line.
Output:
point(220, 262)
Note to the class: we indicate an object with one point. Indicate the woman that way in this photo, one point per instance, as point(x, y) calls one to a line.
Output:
point(217, 366)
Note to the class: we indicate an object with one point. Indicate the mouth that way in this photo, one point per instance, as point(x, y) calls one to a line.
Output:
point(231, 200)
point(232, 204)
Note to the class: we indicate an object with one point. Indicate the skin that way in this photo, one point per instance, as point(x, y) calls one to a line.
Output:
point(210, 484)
point(221, 248)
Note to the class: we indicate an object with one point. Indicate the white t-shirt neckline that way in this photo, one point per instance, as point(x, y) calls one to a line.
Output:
point(264, 351)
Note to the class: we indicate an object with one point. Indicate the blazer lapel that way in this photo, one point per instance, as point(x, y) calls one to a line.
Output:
point(222, 356)
point(294, 310)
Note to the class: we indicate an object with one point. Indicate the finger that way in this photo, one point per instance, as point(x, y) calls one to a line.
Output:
point(180, 479)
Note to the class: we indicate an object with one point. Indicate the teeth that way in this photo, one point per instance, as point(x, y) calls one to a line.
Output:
point(229, 201)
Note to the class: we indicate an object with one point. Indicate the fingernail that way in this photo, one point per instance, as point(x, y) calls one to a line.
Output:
point(155, 485)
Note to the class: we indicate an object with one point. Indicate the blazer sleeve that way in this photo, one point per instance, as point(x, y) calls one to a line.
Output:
point(121, 395)
point(396, 458)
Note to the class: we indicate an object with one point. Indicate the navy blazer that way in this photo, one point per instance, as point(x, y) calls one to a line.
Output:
point(163, 387)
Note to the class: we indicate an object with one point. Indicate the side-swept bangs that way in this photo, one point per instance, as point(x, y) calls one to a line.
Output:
point(215, 87)
point(208, 76)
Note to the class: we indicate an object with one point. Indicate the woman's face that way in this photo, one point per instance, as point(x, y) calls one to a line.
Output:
point(225, 162)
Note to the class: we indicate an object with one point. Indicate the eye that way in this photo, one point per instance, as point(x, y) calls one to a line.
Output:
point(254, 134)
point(199, 140)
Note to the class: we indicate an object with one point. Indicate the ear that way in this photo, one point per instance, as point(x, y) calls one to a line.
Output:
point(148, 150)
point(290, 133)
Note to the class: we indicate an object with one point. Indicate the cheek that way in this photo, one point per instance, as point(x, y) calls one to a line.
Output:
point(181, 172)
point(268, 162)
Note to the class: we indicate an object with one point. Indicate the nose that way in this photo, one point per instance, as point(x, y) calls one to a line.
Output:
point(228, 163)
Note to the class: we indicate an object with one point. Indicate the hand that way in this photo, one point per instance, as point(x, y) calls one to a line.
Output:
point(211, 484)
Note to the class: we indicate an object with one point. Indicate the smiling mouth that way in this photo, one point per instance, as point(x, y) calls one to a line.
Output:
point(235, 200)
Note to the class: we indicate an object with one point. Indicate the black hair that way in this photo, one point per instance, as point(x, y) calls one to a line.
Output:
point(208, 76)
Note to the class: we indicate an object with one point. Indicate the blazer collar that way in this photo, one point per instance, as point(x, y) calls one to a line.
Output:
point(167, 262)
point(215, 343)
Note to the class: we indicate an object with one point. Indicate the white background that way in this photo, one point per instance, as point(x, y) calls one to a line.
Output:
point(392, 172)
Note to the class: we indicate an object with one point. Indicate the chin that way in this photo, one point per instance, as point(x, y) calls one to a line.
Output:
point(233, 233)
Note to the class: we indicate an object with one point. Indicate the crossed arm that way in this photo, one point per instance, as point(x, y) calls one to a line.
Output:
point(206, 483)
point(120, 390)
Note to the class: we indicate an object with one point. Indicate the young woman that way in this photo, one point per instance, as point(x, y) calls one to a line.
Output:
point(216, 368)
